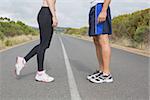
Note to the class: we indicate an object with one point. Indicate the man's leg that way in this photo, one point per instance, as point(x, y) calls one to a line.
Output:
point(106, 52)
point(105, 76)
point(98, 52)
point(99, 57)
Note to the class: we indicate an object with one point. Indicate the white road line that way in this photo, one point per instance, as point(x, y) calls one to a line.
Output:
point(72, 84)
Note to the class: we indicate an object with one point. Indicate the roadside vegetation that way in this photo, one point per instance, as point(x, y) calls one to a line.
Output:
point(12, 33)
point(131, 30)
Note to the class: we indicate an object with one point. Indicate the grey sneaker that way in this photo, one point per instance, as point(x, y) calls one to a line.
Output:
point(94, 75)
point(102, 79)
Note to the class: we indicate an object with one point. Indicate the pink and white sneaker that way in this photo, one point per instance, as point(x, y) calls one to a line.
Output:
point(43, 77)
point(20, 63)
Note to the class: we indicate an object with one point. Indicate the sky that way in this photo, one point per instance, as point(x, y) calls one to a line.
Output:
point(71, 13)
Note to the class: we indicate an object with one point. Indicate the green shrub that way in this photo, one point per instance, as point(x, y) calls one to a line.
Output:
point(8, 43)
point(1, 36)
point(141, 34)
point(11, 28)
point(12, 33)
point(133, 27)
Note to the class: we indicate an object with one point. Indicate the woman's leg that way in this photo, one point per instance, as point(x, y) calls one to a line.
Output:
point(31, 53)
point(45, 42)
point(46, 37)
point(46, 33)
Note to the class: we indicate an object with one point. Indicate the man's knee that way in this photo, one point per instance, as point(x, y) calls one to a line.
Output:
point(96, 40)
point(104, 40)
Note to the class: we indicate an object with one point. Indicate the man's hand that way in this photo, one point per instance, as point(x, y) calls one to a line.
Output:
point(102, 16)
point(55, 22)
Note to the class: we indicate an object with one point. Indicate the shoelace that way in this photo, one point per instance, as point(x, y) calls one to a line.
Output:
point(100, 73)
point(96, 72)
point(104, 77)
point(46, 75)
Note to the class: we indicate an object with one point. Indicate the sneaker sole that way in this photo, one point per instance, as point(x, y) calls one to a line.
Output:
point(88, 78)
point(17, 76)
point(111, 81)
point(15, 72)
point(15, 66)
point(44, 81)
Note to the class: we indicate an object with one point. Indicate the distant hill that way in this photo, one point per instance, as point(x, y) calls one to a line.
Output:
point(9, 28)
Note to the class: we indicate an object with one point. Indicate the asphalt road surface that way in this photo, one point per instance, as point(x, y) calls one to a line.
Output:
point(69, 61)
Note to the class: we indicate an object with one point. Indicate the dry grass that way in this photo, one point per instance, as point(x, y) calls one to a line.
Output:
point(11, 41)
point(2, 46)
point(128, 43)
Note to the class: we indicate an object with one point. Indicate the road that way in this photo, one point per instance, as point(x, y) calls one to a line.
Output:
point(69, 61)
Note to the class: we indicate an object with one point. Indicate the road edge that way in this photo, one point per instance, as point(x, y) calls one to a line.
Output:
point(8, 48)
point(128, 49)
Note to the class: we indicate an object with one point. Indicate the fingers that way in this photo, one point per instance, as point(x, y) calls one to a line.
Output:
point(101, 19)
point(54, 24)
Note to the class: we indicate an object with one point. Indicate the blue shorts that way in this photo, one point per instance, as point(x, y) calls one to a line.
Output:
point(96, 28)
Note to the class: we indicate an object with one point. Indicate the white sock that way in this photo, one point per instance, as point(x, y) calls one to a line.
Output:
point(41, 72)
point(106, 74)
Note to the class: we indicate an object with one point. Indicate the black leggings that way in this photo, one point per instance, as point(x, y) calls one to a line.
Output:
point(46, 33)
